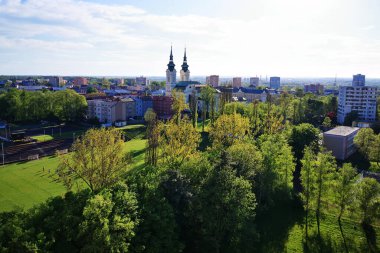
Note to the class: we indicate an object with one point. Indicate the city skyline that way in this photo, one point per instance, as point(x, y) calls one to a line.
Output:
point(126, 38)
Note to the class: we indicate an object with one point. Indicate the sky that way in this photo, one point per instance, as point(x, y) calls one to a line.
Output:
point(292, 38)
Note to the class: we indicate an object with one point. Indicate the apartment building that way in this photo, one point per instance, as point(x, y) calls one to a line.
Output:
point(111, 110)
point(359, 98)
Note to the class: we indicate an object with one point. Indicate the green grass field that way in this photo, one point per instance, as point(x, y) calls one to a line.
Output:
point(23, 185)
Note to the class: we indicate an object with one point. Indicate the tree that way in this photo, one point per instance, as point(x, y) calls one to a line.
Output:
point(227, 204)
point(307, 178)
point(277, 167)
point(364, 141)
point(246, 159)
point(207, 95)
point(157, 230)
point(325, 165)
point(301, 136)
point(96, 159)
point(229, 129)
point(326, 122)
point(368, 198)
point(91, 89)
point(194, 109)
point(179, 105)
point(109, 220)
point(374, 152)
point(152, 133)
point(177, 143)
point(343, 188)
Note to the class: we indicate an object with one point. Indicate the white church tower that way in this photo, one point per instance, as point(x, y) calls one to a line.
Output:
point(171, 74)
point(185, 72)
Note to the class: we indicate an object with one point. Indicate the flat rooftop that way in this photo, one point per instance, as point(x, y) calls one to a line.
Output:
point(342, 130)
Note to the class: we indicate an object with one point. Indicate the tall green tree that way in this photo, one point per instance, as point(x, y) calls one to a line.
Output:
point(178, 105)
point(96, 159)
point(177, 143)
point(229, 129)
point(207, 95)
point(307, 181)
point(109, 220)
point(364, 140)
point(368, 199)
point(343, 188)
point(324, 168)
point(227, 204)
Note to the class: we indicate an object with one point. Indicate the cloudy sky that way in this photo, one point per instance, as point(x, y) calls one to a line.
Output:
point(292, 38)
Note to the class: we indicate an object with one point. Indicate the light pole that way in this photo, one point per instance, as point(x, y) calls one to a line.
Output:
point(2, 148)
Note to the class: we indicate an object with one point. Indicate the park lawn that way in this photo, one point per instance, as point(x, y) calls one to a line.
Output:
point(23, 185)
point(282, 229)
point(332, 239)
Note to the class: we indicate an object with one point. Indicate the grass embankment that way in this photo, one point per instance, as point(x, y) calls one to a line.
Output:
point(25, 184)
point(282, 229)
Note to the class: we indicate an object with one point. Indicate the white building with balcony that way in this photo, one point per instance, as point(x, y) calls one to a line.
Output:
point(359, 98)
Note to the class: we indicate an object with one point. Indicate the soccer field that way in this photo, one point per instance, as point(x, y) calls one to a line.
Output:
point(23, 185)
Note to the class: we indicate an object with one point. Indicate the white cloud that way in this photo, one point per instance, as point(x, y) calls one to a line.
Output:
point(291, 38)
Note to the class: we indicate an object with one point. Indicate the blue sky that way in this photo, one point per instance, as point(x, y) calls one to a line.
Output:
point(293, 38)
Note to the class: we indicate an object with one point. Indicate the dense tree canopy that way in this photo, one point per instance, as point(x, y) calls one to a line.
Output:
point(23, 106)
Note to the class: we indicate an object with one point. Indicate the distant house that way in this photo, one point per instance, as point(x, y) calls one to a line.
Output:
point(111, 110)
point(340, 141)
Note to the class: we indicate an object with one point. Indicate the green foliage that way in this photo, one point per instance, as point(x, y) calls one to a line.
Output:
point(157, 231)
point(229, 129)
point(109, 220)
point(177, 143)
point(91, 89)
point(277, 167)
point(302, 136)
point(96, 159)
point(343, 188)
point(368, 199)
point(368, 144)
point(23, 106)
point(83, 222)
point(230, 204)
point(246, 159)
point(326, 122)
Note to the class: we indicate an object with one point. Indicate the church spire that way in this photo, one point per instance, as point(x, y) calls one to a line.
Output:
point(185, 66)
point(171, 64)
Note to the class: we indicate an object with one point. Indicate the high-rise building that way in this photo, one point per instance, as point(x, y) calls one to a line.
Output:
point(140, 80)
point(171, 74)
point(358, 80)
point(359, 98)
point(213, 80)
point(236, 82)
point(254, 81)
point(274, 82)
point(56, 81)
point(185, 72)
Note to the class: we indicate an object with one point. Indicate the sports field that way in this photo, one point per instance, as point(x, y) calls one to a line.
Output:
point(23, 185)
